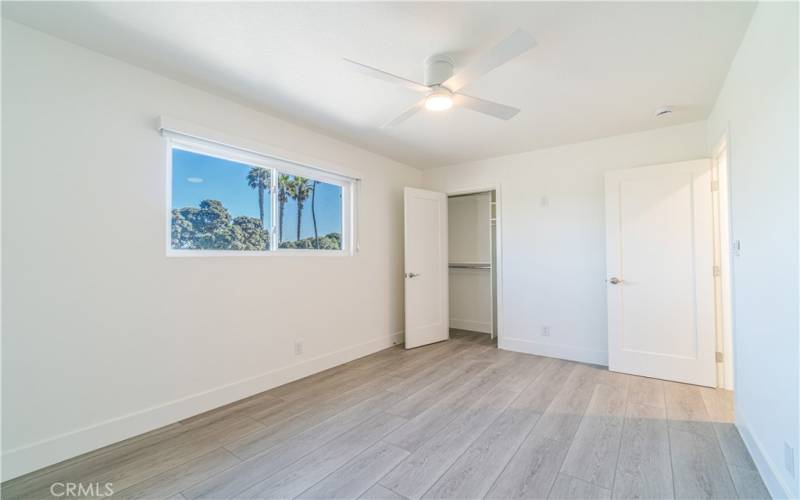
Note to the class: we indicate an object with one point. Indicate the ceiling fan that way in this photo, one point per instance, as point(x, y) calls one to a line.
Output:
point(441, 87)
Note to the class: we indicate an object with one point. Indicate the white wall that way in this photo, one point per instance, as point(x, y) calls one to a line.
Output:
point(103, 336)
point(758, 104)
point(469, 241)
point(468, 228)
point(552, 233)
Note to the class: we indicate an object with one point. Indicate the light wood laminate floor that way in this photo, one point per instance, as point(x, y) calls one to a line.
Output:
point(459, 419)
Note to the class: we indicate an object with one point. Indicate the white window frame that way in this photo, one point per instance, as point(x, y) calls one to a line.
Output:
point(277, 166)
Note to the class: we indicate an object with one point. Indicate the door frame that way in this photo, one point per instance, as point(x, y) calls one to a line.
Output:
point(724, 301)
point(498, 243)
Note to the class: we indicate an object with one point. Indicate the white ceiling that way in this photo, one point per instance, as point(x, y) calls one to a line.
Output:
point(599, 69)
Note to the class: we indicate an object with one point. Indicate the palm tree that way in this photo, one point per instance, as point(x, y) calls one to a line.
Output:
point(300, 195)
point(285, 190)
point(314, 213)
point(259, 178)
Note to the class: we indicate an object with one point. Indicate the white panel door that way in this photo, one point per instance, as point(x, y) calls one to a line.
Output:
point(659, 260)
point(425, 267)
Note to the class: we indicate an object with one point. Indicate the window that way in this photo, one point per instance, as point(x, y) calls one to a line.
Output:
point(228, 202)
point(309, 213)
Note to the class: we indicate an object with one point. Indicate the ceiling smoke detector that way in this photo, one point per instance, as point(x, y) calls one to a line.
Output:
point(666, 110)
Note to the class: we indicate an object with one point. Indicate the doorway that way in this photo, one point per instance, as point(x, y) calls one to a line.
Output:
point(472, 265)
point(473, 272)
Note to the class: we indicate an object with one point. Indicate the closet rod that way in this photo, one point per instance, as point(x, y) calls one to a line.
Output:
point(470, 266)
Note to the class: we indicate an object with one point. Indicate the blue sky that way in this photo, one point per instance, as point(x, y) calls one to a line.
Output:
point(196, 177)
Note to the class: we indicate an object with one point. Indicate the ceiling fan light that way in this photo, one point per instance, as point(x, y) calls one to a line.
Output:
point(439, 101)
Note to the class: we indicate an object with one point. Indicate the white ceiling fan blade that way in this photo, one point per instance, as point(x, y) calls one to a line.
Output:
point(406, 114)
point(486, 107)
point(518, 43)
point(388, 77)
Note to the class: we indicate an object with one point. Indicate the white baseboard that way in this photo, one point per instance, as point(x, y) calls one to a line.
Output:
point(768, 470)
point(31, 457)
point(473, 326)
point(554, 350)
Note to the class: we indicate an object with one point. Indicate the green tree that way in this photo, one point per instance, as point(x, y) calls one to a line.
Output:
point(300, 193)
point(259, 179)
point(285, 190)
point(251, 233)
point(331, 241)
point(314, 213)
point(210, 227)
point(183, 227)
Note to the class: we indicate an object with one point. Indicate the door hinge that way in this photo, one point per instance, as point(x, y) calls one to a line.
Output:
point(720, 357)
point(714, 186)
point(717, 272)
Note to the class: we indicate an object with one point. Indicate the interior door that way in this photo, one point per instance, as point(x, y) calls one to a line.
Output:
point(426, 276)
point(659, 260)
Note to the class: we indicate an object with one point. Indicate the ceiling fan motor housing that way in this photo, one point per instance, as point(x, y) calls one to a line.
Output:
point(438, 69)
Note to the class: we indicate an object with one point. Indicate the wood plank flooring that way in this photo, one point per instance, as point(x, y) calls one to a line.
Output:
point(455, 420)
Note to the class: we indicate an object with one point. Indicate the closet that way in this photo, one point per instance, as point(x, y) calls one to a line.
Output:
point(472, 262)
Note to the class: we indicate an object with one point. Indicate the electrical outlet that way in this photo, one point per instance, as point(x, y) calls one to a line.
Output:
point(545, 331)
point(788, 458)
point(545, 201)
point(298, 347)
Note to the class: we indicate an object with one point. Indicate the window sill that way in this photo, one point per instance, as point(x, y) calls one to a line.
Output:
point(271, 253)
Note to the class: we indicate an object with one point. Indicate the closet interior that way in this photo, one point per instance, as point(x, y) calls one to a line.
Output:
point(472, 221)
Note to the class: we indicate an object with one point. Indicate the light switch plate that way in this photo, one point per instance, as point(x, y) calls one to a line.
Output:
point(788, 457)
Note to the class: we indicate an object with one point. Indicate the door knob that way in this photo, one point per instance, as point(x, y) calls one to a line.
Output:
point(614, 280)
point(411, 275)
